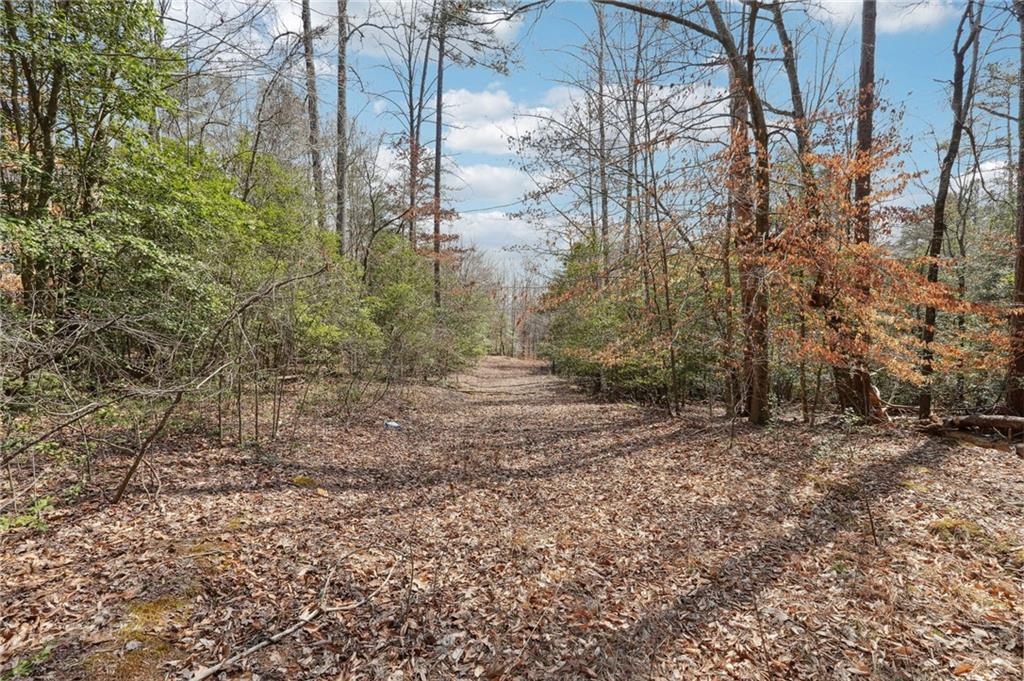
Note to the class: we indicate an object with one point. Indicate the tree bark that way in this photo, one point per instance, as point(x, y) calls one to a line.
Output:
point(1015, 376)
point(739, 219)
point(314, 116)
point(341, 119)
point(602, 152)
point(631, 110)
point(416, 107)
point(752, 234)
point(438, 120)
point(866, 402)
point(961, 105)
point(1009, 423)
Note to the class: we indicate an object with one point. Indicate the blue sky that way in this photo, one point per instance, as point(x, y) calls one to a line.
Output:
point(483, 107)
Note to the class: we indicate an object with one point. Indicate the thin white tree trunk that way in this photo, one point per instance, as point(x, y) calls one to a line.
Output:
point(314, 116)
point(341, 160)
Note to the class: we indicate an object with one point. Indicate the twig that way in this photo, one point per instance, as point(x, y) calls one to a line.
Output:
point(304, 619)
point(871, 521)
point(201, 554)
point(362, 601)
point(760, 628)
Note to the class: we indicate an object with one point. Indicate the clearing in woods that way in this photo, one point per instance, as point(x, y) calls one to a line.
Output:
point(513, 528)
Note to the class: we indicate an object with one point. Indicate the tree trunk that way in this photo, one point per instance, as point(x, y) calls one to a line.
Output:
point(739, 219)
point(1015, 377)
point(416, 107)
point(866, 402)
point(752, 238)
point(961, 104)
point(602, 158)
point(437, 154)
point(314, 116)
point(631, 109)
point(341, 119)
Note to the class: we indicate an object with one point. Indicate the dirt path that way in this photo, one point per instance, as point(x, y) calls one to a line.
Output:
point(514, 528)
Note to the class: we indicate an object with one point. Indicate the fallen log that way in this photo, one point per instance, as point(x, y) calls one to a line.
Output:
point(995, 421)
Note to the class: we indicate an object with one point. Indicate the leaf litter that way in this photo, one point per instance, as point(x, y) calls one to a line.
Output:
point(515, 529)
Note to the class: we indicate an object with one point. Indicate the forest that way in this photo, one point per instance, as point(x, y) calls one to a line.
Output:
point(497, 339)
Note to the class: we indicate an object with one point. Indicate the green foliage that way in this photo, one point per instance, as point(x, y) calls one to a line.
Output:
point(419, 337)
point(619, 334)
point(24, 668)
point(31, 518)
point(139, 270)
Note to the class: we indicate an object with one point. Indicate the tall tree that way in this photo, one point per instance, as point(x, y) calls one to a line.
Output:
point(753, 240)
point(602, 139)
point(1015, 377)
point(314, 115)
point(740, 215)
point(341, 121)
point(442, 22)
point(865, 401)
point(961, 99)
point(407, 44)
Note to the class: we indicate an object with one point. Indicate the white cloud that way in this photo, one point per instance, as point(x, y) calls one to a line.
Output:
point(374, 41)
point(390, 167)
point(468, 105)
point(991, 173)
point(288, 17)
point(561, 96)
point(480, 121)
point(505, 31)
point(494, 230)
point(483, 121)
point(894, 16)
point(491, 137)
point(492, 184)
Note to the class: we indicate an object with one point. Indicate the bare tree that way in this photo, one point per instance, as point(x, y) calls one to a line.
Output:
point(602, 139)
point(1015, 377)
point(961, 100)
point(407, 43)
point(308, 38)
point(442, 24)
point(341, 121)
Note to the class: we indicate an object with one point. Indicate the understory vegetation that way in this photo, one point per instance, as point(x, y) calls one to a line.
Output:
point(750, 406)
point(144, 269)
point(770, 242)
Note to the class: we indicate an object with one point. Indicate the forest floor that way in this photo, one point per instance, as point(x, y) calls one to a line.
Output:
point(513, 528)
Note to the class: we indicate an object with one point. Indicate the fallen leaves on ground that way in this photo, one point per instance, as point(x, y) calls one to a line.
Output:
point(514, 529)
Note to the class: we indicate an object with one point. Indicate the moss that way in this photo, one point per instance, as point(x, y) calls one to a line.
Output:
point(951, 528)
point(146, 616)
point(208, 555)
point(1008, 552)
point(840, 568)
point(25, 667)
point(914, 485)
point(973, 594)
point(141, 664)
point(965, 531)
point(144, 621)
point(199, 547)
point(303, 481)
